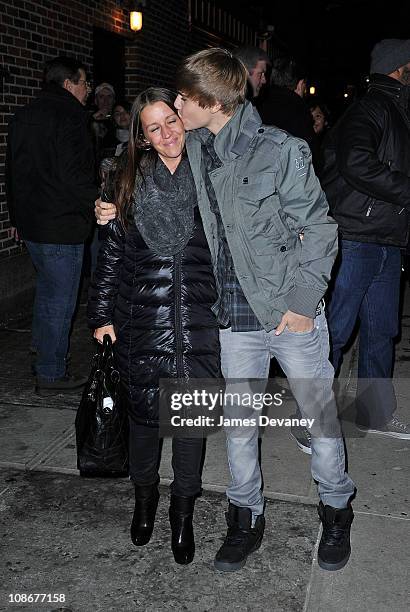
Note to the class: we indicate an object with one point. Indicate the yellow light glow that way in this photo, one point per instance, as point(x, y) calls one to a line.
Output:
point(136, 21)
point(312, 90)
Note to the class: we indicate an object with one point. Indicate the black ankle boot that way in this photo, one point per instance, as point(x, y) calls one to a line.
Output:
point(181, 512)
point(146, 502)
point(241, 539)
point(334, 546)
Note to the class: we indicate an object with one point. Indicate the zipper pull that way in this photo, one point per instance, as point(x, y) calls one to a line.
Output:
point(369, 210)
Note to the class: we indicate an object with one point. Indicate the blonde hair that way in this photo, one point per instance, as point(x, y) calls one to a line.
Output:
point(213, 76)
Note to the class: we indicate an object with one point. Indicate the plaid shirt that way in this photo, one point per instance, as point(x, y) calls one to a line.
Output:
point(231, 308)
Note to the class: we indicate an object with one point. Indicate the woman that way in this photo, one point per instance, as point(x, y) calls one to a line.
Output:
point(320, 116)
point(121, 118)
point(152, 293)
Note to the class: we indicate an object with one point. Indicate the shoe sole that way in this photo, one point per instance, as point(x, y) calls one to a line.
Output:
point(333, 567)
point(233, 567)
point(387, 434)
point(305, 449)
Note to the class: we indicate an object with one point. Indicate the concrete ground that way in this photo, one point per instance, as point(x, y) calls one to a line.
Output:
point(62, 534)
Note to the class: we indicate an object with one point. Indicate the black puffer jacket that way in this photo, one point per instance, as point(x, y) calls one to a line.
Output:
point(161, 311)
point(366, 173)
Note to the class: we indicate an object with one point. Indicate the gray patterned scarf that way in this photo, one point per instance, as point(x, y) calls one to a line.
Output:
point(164, 208)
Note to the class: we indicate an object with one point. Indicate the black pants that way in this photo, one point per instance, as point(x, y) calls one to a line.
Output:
point(144, 450)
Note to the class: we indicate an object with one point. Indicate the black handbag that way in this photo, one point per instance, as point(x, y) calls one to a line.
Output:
point(101, 422)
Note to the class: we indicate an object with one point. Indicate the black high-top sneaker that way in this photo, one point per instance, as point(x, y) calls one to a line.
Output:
point(334, 546)
point(241, 539)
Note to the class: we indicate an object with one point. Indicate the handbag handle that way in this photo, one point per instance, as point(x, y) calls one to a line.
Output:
point(107, 350)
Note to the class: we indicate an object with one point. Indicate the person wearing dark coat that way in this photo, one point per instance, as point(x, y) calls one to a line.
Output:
point(152, 292)
point(283, 106)
point(50, 196)
point(366, 177)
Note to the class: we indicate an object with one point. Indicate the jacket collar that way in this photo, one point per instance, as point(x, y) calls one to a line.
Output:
point(389, 86)
point(234, 138)
point(51, 90)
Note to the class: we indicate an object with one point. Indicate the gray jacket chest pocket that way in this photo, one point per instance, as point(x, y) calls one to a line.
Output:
point(258, 203)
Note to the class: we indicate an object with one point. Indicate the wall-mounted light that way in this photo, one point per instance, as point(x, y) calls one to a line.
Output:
point(312, 90)
point(135, 8)
point(136, 20)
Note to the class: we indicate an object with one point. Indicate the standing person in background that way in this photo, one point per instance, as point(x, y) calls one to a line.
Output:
point(284, 106)
point(367, 181)
point(102, 127)
point(103, 131)
point(321, 117)
point(122, 118)
point(256, 61)
point(50, 194)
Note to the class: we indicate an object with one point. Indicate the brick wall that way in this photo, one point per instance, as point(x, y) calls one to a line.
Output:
point(32, 31)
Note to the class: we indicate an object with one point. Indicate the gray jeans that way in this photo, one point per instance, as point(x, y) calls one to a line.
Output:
point(304, 359)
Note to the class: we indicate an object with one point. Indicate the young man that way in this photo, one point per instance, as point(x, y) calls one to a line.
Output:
point(258, 194)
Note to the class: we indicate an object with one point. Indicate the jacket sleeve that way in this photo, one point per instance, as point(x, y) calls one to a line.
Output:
point(106, 278)
point(76, 168)
point(305, 205)
point(359, 135)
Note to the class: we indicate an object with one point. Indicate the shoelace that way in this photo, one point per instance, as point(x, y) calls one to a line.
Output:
point(396, 423)
point(333, 534)
point(235, 536)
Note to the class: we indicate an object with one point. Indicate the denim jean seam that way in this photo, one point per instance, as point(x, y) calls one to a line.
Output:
point(69, 300)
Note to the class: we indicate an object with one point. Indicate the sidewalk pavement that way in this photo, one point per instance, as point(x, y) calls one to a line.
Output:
point(62, 534)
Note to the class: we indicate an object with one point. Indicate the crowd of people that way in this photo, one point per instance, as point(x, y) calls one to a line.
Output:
point(217, 252)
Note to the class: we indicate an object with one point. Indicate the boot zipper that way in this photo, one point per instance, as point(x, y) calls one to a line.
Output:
point(179, 346)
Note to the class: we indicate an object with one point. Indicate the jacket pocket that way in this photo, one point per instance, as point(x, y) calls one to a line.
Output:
point(258, 205)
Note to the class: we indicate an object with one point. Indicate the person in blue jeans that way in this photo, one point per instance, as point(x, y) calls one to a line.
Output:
point(50, 196)
point(258, 196)
point(366, 178)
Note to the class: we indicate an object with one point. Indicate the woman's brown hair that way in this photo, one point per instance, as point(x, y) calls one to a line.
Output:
point(140, 158)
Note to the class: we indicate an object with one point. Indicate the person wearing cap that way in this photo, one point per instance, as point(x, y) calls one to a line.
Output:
point(366, 178)
point(104, 100)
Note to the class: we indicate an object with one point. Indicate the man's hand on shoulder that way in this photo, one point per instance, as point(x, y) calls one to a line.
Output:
point(104, 211)
point(295, 323)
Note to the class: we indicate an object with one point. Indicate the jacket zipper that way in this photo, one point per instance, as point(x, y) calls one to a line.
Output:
point(369, 210)
point(179, 345)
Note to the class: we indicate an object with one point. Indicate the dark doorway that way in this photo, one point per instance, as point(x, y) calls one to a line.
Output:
point(109, 60)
